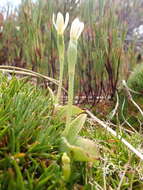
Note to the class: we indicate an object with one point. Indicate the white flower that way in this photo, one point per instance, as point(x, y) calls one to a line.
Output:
point(138, 31)
point(76, 29)
point(17, 28)
point(1, 28)
point(60, 24)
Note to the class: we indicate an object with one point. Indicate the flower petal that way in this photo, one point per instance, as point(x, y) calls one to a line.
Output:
point(66, 20)
point(81, 27)
point(73, 28)
point(53, 19)
point(76, 29)
point(60, 23)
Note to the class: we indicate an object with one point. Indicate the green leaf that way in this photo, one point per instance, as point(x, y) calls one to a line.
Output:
point(20, 181)
point(88, 145)
point(3, 131)
point(75, 127)
point(61, 111)
point(80, 153)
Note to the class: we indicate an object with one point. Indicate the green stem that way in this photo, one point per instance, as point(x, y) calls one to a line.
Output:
point(70, 102)
point(60, 81)
point(72, 59)
point(61, 50)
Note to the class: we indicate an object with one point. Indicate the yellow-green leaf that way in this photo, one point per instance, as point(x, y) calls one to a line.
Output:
point(75, 127)
point(88, 145)
point(80, 153)
point(61, 111)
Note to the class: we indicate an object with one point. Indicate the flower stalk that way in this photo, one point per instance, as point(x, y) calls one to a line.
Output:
point(72, 59)
point(61, 50)
point(60, 25)
point(76, 29)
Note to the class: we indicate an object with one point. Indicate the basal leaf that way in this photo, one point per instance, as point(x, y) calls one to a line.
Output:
point(75, 127)
point(80, 153)
point(61, 111)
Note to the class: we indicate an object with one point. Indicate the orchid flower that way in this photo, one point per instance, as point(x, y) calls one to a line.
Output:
point(60, 24)
point(76, 29)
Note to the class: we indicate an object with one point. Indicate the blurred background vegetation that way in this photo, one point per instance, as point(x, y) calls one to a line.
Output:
point(107, 49)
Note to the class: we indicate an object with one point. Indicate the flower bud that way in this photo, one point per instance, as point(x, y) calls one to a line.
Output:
point(66, 166)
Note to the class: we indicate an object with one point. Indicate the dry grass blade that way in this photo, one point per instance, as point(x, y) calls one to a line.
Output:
point(22, 71)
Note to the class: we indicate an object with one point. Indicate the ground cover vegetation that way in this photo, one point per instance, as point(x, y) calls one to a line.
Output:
point(71, 108)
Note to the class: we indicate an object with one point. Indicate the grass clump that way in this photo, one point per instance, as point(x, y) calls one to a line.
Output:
point(131, 99)
point(28, 137)
point(31, 155)
point(136, 78)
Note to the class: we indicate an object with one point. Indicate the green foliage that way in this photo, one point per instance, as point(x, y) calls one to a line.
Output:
point(27, 137)
point(135, 81)
point(128, 112)
point(102, 51)
point(30, 145)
